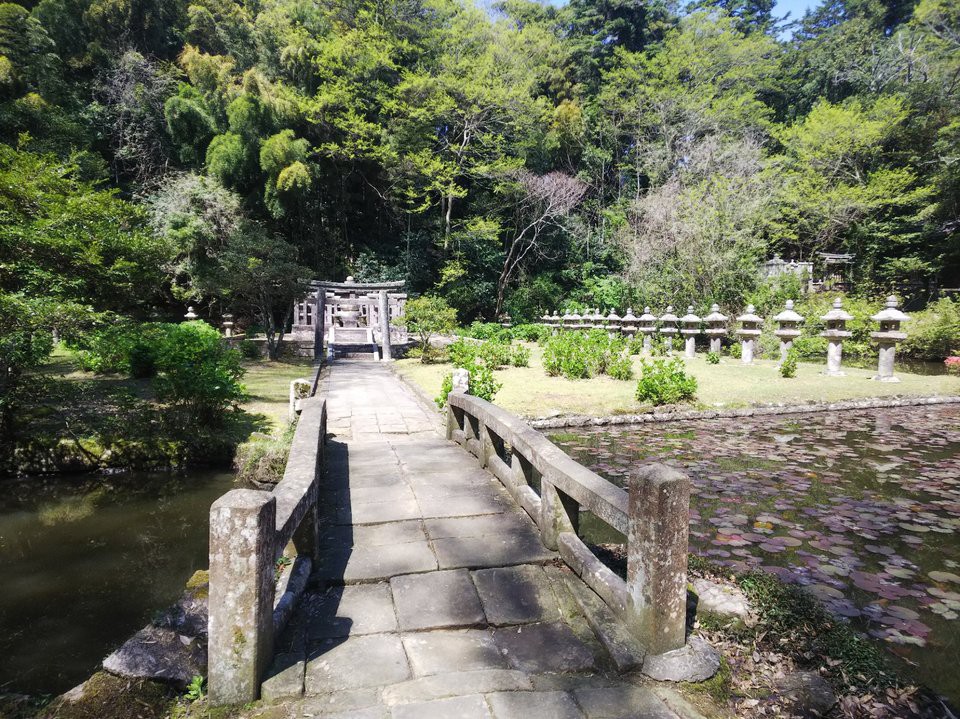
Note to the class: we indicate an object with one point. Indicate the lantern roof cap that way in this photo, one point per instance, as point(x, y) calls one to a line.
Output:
point(789, 314)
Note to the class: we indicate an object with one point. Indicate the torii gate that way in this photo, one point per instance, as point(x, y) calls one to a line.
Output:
point(347, 303)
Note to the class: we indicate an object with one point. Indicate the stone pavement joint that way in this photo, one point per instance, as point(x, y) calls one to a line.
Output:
point(433, 596)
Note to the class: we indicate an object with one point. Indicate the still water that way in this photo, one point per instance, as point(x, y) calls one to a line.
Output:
point(86, 562)
point(862, 508)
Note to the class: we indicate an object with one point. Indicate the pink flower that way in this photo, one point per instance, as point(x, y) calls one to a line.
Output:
point(952, 363)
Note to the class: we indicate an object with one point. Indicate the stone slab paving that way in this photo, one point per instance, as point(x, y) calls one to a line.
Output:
point(431, 597)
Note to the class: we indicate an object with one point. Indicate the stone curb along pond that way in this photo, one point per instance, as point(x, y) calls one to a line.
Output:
point(861, 507)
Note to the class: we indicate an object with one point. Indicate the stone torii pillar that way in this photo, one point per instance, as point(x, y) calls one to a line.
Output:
point(384, 311)
point(319, 317)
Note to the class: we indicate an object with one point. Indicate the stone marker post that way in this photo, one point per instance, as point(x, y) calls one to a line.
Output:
point(748, 333)
point(383, 308)
point(789, 321)
point(659, 516)
point(716, 327)
point(668, 328)
point(889, 335)
point(690, 330)
point(647, 325)
point(836, 330)
point(461, 380)
point(319, 320)
point(240, 624)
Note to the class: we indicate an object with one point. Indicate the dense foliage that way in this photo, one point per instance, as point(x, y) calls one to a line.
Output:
point(577, 355)
point(665, 381)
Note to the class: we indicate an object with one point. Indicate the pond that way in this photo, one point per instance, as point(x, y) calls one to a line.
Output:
point(861, 507)
point(87, 561)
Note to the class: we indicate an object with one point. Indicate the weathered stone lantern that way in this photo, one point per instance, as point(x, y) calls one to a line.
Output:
point(556, 321)
point(716, 327)
point(836, 320)
point(614, 323)
point(576, 321)
point(566, 322)
point(596, 319)
point(748, 333)
point(647, 325)
point(788, 330)
point(228, 325)
point(191, 315)
point(889, 335)
point(668, 328)
point(628, 323)
point(690, 330)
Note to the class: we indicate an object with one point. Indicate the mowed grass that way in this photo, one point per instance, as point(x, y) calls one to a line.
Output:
point(267, 383)
point(530, 392)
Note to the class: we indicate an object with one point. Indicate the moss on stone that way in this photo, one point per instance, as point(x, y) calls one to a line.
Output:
point(105, 696)
point(199, 584)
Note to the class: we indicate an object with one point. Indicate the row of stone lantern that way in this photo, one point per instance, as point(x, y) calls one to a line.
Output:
point(788, 330)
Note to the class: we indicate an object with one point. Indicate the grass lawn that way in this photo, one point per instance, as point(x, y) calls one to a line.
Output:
point(530, 392)
point(267, 383)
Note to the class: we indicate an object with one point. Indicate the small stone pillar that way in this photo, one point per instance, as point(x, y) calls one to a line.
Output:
point(659, 515)
point(748, 333)
point(240, 624)
point(716, 327)
point(319, 322)
point(228, 325)
point(889, 335)
point(461, 381)
point(648, 325)
point(383, 309)
point(690, 330)
point(668, 328)
point(836, 320)
point(628, 323)
point(614, 323)
point(788, 330)
point(191, 315)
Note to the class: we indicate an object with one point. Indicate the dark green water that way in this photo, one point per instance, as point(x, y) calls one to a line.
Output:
point(86, 562)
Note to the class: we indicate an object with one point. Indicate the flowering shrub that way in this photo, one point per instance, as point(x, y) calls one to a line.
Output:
point(953, 364)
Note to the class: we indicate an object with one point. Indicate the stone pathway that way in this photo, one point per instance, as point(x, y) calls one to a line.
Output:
point(435, 597)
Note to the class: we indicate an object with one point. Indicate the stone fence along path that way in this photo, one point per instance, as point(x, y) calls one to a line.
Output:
point(432, 594)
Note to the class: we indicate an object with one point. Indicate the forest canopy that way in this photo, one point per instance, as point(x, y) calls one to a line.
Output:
point(507, 159)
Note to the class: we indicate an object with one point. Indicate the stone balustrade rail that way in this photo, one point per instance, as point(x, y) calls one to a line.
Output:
point(653, 515)
point(249, 531)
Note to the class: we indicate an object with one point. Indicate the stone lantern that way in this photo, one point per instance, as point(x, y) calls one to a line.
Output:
point(668, 328)
point(191, 315)
point(748, 333)
point(788, 330)
point(596, 320)
point(545, 320)
point(648, 325)
point(716, 327)
point(576, 321)
point(690, 330)
point(555, 322)
point(614, 323)
point(628, 323)
point(836, 320)
point(566, 322)
point(889, 318)
point(228, 325)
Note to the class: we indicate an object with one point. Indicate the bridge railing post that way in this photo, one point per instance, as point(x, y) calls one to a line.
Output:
point(559, 513)
point(659, 517)
point(242, 585)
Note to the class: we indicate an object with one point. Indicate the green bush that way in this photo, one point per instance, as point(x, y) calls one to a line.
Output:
point(427, 316)
point(197, 373)
point(788, 368)
point(665, 381)
point(125, 348)
point(735, 349)
point(621, 367)
point(249, 350)
point(713, 358)
point(530, 333)
point(486, 331)
point(577, 355)
point(933, 333)
point(520, 356)
point(480, 384)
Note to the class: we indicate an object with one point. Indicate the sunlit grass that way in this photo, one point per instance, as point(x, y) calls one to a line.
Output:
point(530, 392)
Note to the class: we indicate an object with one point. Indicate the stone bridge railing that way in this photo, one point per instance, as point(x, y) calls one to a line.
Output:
point(653, 515)
point(249, 532)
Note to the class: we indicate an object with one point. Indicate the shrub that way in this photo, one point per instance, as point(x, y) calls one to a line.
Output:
point(577, 355)
point(621, 367)
point(126, 348)
point(713, 358)
point(520, 356)
point(952, 364)
point(485, 331)
point(197, 373)
point(735, 349)
point(635, 345)
point(665, 382)
point(531, 333)
point(249, 350)
point(788, 368)
point(480, 384)
point(426, 316)
point(933, 333)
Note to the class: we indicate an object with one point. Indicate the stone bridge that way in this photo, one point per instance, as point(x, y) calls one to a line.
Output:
point(429, 584)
